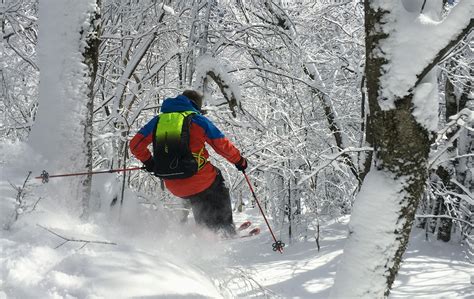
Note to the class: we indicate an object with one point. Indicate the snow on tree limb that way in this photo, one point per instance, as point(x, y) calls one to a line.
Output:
point(441, 54)
point(415, 44)
point(365, 267)
point(450, 133)
point(446, 217)
point(208, 66)
point(159, 66)
point(425, 103)
point(332, 158)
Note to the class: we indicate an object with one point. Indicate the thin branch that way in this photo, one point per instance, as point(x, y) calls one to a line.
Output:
point(463, 188)
point(342, 153)
point(26, 59)
point(36, 203)
point(66, 240)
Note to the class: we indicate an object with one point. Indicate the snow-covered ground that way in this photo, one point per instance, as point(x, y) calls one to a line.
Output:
point(155, 257)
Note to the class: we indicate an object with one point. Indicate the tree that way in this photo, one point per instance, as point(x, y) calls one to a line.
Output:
point(67, 63)
point(90, 35)
point(447, 210)
point(18, 68)
point(400, 135)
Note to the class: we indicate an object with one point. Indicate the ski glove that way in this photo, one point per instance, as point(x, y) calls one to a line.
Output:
point(242, 164)
point(149, 165)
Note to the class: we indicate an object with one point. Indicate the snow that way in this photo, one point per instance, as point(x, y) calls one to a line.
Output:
point(168, 9)
point(156, 257)
point(149, 253)
point(426, 264)
point(365, 261)
point(425, 101)
point(37, 271)
point(57, 135)
point(145, 261)
point(62, 78)
point(414, 40)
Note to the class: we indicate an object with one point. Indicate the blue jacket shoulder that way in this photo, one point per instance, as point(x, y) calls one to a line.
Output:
point(211, 130)
point(149, 127)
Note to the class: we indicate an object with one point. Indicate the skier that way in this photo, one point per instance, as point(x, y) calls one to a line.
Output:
point(180, 158)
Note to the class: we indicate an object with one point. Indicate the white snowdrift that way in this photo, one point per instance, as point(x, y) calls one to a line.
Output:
point(156, 258)
point(151, 258)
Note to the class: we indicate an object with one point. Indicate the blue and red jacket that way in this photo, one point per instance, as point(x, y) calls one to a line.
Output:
point(202, 131)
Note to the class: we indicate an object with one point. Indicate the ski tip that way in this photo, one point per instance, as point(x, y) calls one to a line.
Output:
point(244, 225)
point(254, 231)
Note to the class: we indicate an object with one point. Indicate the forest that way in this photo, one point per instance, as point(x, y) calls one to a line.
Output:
point(344, 109)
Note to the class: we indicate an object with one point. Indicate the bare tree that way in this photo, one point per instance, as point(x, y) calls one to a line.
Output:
point(19, 72)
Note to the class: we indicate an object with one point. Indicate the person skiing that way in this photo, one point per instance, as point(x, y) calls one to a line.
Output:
point(180, 158)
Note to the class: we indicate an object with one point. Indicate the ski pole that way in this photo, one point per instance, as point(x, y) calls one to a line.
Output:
point(45, 176)
point(278, 245)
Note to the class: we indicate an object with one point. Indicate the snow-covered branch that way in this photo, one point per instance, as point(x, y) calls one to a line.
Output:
point(442, 52)
point(331, 159)
point(412, 34)
point(208, 66)
point(451, 132)
point(21, 204)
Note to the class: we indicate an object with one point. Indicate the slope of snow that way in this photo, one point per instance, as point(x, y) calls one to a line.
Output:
point(434, 270)
point(36, 271)
point(431, 269)
point(151, 256)
point(157, 258)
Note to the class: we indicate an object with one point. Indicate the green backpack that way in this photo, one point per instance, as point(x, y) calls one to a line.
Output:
point(171, 153)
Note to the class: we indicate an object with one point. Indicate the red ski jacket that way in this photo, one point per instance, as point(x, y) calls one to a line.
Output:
point(202, 131)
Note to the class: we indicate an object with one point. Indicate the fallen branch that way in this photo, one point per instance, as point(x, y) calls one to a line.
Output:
point(75, 240)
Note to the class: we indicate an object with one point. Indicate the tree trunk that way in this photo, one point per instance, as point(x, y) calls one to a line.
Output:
point(384, 211)
point(61, 133)
point(401, 145)
point(91, 59)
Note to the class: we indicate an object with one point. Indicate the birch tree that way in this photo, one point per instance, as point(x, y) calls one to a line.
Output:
point(400, 121)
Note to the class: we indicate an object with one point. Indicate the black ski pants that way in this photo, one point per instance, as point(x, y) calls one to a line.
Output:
point(212, 207)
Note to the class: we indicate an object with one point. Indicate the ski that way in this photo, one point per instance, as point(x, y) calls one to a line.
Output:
point(255, 231)
point(244, 225)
